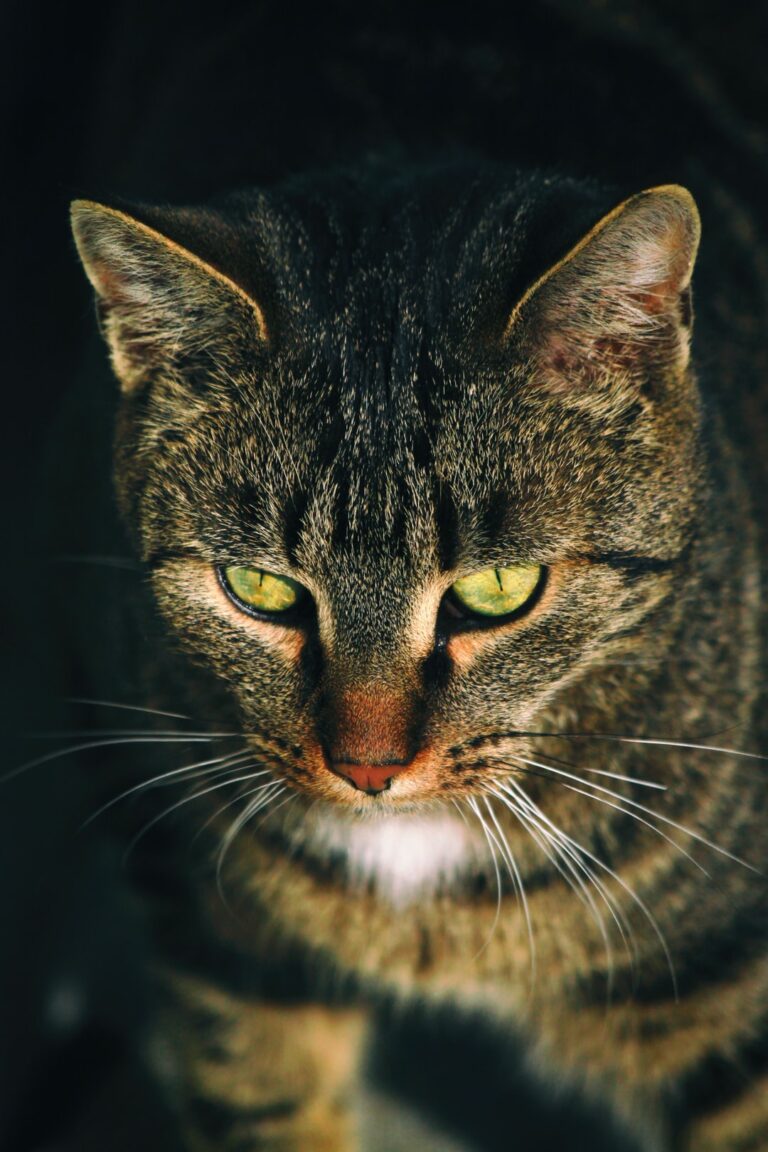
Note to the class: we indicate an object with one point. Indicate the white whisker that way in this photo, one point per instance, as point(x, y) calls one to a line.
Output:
point(517, 881)
point(125, 707)
point(218, 765)
point(168, 732)
point(572, 869)
point(642, 820)
point(265, 794)
point(180, 804)
point(472, 805)
point(582, 851)
point(235, 800)
point(648, 741)
point(641, 807)
point(94, 744)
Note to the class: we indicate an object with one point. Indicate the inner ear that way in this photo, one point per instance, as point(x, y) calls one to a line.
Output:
point(619, 301)
point(157, 300)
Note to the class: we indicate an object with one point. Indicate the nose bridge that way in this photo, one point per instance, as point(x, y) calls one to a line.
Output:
point(365, 630)
point(371, 703)
point(373, 724)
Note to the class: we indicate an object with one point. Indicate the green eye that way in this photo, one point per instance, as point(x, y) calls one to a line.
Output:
point(497, 591)
point(262, 590)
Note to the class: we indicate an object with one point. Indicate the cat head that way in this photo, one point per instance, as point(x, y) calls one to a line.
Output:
point(407, 459)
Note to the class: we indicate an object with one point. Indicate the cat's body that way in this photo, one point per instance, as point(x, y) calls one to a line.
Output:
point(379, 380)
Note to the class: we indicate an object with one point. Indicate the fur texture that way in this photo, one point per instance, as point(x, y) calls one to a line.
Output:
point(377, 382)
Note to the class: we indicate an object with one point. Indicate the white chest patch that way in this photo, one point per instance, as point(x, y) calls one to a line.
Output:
point(404, 856)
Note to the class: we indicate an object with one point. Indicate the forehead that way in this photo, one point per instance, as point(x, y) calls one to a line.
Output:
point(349, 459)
point(385, 419)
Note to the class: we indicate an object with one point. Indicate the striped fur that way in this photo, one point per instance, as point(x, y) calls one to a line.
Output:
point(420, 376)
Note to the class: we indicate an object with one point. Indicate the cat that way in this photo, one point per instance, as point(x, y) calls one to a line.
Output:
point(459, 557)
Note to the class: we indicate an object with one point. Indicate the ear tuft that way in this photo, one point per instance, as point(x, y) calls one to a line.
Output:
point(156, 299)
point(619, 302)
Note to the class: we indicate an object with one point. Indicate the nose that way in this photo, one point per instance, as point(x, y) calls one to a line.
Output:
point(370, 778)
point(371, 736)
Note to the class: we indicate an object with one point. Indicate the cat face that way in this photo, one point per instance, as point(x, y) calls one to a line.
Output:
point(375, 401)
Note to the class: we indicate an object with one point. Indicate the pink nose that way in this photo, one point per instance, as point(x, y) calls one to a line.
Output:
point(369, 778)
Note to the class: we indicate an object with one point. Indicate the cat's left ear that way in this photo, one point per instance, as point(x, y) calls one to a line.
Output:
point(618, 305)
point(157, 300)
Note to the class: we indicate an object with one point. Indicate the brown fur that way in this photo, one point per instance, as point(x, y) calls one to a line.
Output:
point(573, 435)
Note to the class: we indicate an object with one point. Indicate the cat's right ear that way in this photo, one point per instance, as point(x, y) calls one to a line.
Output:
point(157, 301)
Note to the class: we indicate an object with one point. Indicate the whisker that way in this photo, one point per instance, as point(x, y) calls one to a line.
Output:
point(180, 804)
point(581, 850)
point(125, 707)
point(713, 748)
point(572, 869)
point(291, 796)
point(269, 791)
point(624, 779)
point(219, 764)
point(180, 735)
point(230, 804)
point(197, 771)
point(613, 775)
point(92, 745)
point(600, 772)
point(532, 831)
point(515, 733)
point(634, 815)
point(575, 851)
point(489, 841)
point(642, 808)
point(517, 881)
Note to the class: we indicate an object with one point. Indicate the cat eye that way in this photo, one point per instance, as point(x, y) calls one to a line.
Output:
point(261, 591)
point(497, 592)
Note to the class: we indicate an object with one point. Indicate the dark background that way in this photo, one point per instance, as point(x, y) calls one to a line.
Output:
point(163, 102)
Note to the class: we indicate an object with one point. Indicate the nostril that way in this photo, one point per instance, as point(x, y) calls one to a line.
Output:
point(369, 778)
point(370, 789)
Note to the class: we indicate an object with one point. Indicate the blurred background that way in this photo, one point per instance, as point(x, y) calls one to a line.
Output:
point(179, 103)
